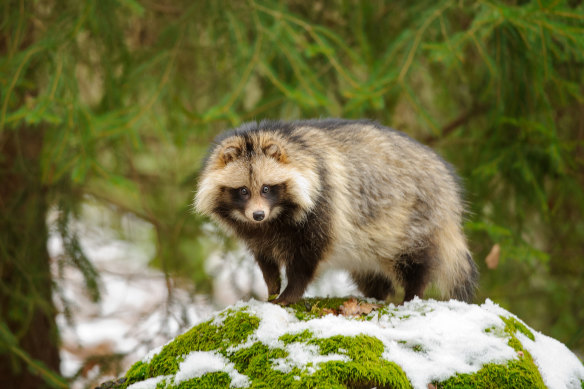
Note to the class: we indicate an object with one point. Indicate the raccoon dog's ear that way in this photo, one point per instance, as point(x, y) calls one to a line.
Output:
point(229, 154)
point(274, 151)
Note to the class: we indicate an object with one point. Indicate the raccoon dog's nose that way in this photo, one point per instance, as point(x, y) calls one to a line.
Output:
point(258, 216)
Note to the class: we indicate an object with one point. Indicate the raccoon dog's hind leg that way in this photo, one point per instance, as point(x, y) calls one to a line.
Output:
point(414, 270)
point(373, 285)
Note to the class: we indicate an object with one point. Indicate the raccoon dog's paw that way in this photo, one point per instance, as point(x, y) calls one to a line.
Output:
point(280, 301)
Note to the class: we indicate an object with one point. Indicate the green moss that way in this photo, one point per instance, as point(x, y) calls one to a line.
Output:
point(235, 329)
point(138, 372)
point(497, 331)
point(256, 359)
point(513, 325)
point(387, 310)
point(418, 348)
point(515, 344)
point(365, 369)
point(256, 363)
point(360, 347)
point(207, 381)
point(412, 346)
point(299, 337)
point(310, 308)
point(204, 337)
point(520, 373)
point(516, 374)
point(358, 374)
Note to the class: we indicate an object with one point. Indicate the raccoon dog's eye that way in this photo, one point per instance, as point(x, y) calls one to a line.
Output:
point(265, 189)
point(243, 191)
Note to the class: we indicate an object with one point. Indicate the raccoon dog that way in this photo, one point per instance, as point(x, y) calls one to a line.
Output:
point(306, 195)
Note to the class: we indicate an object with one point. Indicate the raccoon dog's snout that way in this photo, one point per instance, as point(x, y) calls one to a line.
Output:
point(258, 216)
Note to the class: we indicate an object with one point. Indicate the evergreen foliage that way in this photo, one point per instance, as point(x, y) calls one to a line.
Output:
point(125, 96)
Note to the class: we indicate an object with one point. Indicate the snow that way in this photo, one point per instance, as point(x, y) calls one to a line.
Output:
point(450, 338)
point(300, 353)
point(558, 366)
point(201, 362)
point(150, 383)
point(195, 365)
point(445, 343)
point(555, 361)
point(135, 313)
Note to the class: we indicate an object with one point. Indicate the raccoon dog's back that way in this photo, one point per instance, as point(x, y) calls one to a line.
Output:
point(305, 195)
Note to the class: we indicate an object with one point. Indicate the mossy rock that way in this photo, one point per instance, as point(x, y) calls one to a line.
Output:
point(312, 344)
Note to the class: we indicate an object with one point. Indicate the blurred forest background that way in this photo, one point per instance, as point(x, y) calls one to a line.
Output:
point(114, 102)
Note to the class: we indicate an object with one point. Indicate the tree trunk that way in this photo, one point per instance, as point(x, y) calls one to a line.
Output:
point(26, 305)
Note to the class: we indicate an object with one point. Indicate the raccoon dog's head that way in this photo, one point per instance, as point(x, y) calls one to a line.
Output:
point(253, 177)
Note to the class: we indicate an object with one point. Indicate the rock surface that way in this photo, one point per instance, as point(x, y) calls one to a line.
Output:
point(359, 344)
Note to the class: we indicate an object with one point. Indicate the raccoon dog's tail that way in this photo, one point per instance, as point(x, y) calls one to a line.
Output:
point(457, 274)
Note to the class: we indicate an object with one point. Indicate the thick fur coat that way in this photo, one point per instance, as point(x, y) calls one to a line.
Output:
point(306, 195)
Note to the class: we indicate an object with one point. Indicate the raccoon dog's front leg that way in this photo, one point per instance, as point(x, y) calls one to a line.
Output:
point(271, 273)
point(299, 272)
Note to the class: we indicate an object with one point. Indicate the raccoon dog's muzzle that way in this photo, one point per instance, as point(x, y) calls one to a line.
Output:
point(257, 211)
